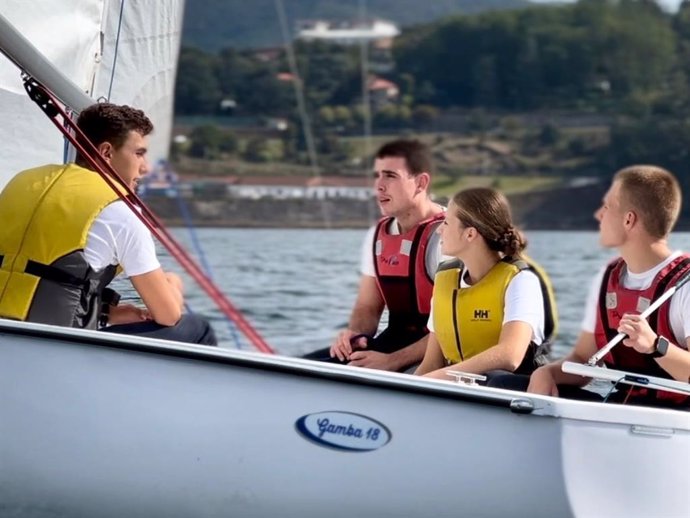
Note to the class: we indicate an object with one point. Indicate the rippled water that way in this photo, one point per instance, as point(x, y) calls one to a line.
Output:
point(297, 286)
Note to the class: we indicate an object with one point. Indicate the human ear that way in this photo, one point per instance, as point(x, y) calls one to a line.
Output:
point(105, 149)
point(630, 218)
point(423, 180)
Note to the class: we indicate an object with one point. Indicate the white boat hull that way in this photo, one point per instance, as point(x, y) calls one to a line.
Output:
point(95, 425)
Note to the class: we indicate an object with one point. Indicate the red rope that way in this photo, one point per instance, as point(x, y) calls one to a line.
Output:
point(49, 104)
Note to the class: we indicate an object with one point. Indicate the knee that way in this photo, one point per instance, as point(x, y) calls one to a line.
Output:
point(509, 382)
point(199, 329)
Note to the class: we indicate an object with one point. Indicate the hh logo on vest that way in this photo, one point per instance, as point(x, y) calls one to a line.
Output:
point(481, 315)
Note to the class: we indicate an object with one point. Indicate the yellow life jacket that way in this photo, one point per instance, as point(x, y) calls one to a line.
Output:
point(46, 214)
point(468, 321)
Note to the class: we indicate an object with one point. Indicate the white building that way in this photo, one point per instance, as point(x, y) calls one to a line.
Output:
point(347, 33)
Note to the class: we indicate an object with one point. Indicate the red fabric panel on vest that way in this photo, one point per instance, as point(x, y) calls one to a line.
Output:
point(400, 266)
point(616, 300)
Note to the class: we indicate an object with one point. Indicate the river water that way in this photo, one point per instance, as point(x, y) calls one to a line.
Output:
point(297, 286)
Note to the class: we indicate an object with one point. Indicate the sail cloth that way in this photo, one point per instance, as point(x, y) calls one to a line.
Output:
point(92, 42)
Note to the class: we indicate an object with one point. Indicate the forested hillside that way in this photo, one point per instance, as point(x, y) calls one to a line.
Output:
point(215, 24)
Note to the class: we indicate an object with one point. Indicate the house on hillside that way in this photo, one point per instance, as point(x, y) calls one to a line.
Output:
point(382, 91)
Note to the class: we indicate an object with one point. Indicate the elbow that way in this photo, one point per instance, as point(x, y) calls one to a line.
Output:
point(512, 361)
point(512, 364)
point(168, 318)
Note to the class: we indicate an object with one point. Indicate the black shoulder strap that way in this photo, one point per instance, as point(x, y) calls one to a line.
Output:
point(450, 264)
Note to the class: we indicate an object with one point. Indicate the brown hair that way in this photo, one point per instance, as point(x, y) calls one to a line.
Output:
point(488, 211)
point(654, 194)
point(106, 122)
point(416, 154)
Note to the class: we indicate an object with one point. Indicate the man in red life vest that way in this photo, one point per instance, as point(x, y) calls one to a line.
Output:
point(636, 217)
point(399, 259)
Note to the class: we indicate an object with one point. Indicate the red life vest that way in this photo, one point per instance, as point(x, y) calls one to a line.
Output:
point(400, 266)
point(616, 300)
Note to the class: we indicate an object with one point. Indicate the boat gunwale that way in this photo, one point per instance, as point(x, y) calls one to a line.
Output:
point(543, 406)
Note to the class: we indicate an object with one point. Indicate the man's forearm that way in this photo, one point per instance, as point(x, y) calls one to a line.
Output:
point(413, 353)
point(364, 321)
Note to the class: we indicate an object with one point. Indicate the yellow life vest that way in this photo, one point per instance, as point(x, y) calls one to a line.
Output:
point(46, 214)
point(468, 321)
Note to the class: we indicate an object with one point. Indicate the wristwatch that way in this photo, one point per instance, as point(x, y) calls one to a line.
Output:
point(660, 346)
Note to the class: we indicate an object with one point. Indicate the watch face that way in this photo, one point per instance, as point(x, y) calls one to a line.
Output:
point(662, 344)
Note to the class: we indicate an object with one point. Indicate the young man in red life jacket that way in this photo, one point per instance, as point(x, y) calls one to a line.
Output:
point(399, 259)
point(636, 216)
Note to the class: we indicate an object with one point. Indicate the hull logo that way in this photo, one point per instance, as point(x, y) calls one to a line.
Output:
point(343, 431)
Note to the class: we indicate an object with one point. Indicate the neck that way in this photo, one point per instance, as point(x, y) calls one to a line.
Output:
point(416, 214)
point(644, 255)
point(479, 263)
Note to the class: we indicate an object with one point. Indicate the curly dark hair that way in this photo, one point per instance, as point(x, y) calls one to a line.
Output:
point(106, 122)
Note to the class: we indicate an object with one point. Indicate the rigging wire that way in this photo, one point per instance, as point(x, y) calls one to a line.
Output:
point(171, 178)
point(117, 44)
point(301, 104)
point(366, 100)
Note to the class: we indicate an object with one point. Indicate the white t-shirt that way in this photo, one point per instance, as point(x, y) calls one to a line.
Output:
point(523, 302)
point(117, 236)
point(680, 302)
point(432, 259)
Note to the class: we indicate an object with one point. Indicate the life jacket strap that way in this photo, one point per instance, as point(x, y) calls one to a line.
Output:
point(51, 273)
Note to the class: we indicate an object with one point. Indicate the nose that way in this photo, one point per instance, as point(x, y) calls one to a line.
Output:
point(598, 213)
point(145, 167)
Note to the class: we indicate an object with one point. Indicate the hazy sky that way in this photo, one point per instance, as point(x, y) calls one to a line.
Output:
point(670, 4)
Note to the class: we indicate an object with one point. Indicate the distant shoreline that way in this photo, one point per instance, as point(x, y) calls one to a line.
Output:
point(570, 209)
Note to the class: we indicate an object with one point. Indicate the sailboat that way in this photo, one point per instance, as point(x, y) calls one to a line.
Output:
point(93, 424)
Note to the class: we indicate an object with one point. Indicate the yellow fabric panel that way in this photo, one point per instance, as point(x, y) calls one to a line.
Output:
point(45, 215)
point(468, 321)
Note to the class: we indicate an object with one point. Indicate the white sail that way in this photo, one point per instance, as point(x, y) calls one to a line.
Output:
point(67, 33)
point(124, 50)
point(142, 73)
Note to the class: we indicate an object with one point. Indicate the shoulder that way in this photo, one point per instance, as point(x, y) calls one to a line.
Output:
point(118, 214)
point(525, 285)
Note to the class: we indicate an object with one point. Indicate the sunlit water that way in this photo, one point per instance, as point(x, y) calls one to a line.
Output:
point(297, 286)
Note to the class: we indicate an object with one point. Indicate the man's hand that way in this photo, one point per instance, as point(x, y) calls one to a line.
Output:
point(373, 360)
point(641, 337)
point(343, 345)
point(542, 382)
point(127, 314)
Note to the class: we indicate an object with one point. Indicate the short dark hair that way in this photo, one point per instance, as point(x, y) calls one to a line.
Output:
point(654, 194)
point(106, 122)
point(417, 155)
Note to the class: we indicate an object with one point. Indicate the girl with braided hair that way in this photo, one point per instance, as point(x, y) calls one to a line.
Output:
point(492, 309)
